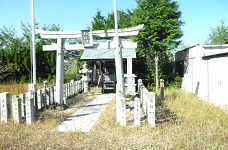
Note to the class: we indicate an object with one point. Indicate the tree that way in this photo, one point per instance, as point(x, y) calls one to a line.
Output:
point(161, 33)
point(218, 35)
point(15, 62)
point(100, 22)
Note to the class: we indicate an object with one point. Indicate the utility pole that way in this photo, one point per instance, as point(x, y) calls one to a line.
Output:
point(120, 95)
point(33, 45)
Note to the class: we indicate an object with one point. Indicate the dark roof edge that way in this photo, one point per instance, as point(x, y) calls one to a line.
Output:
point(187, 48)
point(215, 56)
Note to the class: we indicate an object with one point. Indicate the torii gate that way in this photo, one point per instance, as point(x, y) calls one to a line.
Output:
point(87, 42)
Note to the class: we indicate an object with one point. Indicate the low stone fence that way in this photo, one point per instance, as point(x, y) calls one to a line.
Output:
point(25, 105)
point(144, 105)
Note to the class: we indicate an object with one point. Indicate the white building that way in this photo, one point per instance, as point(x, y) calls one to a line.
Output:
point(204, 69)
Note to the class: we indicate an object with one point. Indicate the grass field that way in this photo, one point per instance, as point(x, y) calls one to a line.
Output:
point(183, 122)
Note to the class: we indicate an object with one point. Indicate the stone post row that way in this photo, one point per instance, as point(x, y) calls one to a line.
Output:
point(151, 109)
point(46, 93)
point(29, 109)
point(51, 90)
point(23, 98)
point(5, 98)
point(39, 99)
point(16, 105)
point(137, 111)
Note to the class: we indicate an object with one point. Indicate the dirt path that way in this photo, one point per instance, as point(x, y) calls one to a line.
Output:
point(84, 118)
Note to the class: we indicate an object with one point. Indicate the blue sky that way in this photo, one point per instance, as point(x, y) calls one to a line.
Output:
point(199, 15)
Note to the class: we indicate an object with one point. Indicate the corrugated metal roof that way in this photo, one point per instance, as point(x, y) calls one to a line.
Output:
point(90, 54)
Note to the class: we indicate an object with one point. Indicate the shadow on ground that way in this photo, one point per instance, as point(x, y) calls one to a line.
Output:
point(164, 114)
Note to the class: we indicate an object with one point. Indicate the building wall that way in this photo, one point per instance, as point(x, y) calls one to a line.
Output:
point(207, 79)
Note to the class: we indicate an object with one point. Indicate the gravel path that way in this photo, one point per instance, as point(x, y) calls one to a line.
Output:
point(84, 119)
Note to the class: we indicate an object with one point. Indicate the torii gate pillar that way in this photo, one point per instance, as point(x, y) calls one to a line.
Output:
point(59, 71)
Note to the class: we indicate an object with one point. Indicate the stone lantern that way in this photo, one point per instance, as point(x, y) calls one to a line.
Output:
point(85, 77)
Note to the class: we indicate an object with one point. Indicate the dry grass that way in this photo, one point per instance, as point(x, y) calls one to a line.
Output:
point(16, 88)
point(183, 122)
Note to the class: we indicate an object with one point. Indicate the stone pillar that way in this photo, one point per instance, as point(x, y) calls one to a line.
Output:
point(32, 94)
point(143, 99)
point(39, 99)
point(69, 89)
point(75, 87)
point(29, 109)
point(162, 86)
point(65, 90)
point(94, 73)
point(44, 98)
point(120, 109)
point(140, 83)
point(86, 86)
point(137, 111)
point(59, 72)
point(16, 105)
point(22, 97)
point(51, 89)
point(151, 109)
point(47, 93)
point(55, 94)
point(65, 93)
point(5, 98)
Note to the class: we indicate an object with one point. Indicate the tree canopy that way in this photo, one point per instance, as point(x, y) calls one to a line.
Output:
point(15, 62)
point(218, 35)
point(100, 22)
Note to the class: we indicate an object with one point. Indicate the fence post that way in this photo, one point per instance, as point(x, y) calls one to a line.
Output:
point(72, 87)
point(43, 98)
point(137, 112)
point(68, 89)
point(143, 99)
point(46, 91)
point(65, 93)
point(5, 99)
point(29, 108)
point(22, 97)
point(39, 99)
point(139, 85)
point(75, 87)
point(65, 90)
point(54, 94)
point(151, 109)
point(51, 90)
point(162, 85)
point(16, 105)
point(32, 94)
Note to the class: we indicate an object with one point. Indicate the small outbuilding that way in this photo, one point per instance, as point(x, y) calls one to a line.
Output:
point(204, 73)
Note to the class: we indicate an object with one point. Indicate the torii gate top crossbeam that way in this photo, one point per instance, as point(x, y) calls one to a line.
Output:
point(99, 33)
